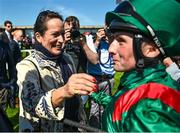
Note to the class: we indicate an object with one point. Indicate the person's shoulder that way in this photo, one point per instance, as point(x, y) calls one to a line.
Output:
point(3, 35)
point(27, 60)
point(26, 65)
point(13, 42)
point(67, 57)
point(69, 60)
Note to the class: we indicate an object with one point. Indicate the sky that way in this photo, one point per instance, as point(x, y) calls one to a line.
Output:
point(24, 12)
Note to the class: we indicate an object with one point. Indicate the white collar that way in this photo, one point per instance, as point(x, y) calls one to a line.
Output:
point(7, 32)
point(15, 40)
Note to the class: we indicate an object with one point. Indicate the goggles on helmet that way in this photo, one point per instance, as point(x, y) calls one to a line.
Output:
point(125, 8)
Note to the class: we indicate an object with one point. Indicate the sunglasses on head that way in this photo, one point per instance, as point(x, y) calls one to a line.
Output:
point(127, 9)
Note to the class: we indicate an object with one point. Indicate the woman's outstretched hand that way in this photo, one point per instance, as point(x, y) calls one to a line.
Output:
point(81, 84)
point(78, 84)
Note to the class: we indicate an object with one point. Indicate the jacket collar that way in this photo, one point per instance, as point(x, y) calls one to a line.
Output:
point(133, 79)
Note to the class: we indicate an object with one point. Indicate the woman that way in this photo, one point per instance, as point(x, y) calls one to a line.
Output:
point(47, 86)
point(148, 98)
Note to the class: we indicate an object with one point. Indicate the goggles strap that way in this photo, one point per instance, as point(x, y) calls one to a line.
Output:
point(137, 41)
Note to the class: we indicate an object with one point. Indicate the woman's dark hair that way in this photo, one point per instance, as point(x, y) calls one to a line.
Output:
point(42, 18)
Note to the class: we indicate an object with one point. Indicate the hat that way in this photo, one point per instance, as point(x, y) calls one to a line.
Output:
point(162, 15)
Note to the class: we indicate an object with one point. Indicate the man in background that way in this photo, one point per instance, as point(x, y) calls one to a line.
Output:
point(6, 36)
point(7, 74)
point(72, 45)
point(14, 45)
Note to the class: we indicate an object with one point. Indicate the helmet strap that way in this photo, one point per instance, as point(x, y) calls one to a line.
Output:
point(142, 61)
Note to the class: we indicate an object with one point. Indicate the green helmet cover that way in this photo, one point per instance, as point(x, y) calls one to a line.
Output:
point(162, 15)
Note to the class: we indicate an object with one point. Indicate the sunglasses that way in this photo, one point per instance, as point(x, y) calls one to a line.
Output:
point(9, 26)
point(127, 9)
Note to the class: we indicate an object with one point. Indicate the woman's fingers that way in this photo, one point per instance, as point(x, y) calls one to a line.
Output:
point(82, 84)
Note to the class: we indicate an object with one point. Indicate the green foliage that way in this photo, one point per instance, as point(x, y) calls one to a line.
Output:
point(117, 78)
point(13, 115)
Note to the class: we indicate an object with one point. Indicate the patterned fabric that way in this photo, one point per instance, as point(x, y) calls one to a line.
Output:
point(147, 102)
point(36, 102)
